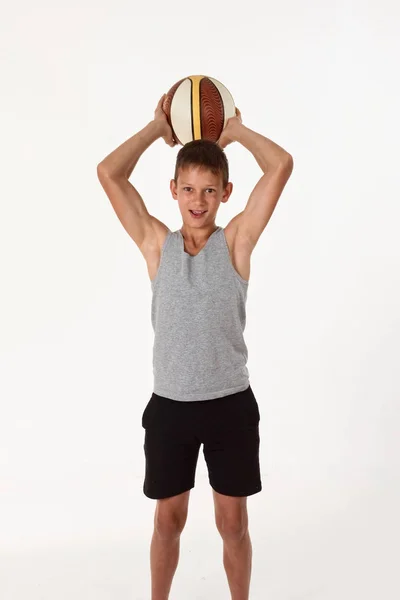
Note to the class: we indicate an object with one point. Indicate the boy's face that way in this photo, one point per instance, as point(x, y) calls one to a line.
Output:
point(199, 189)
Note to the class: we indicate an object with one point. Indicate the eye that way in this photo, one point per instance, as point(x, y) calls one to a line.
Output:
point(187, 188)
point(211, 189)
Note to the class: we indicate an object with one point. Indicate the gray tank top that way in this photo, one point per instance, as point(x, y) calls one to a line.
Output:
point(198, 314)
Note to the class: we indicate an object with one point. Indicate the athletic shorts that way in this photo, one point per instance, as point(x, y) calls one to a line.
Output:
point(228, 428)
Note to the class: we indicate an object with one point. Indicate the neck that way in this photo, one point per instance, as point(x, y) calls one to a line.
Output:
point(196, 236)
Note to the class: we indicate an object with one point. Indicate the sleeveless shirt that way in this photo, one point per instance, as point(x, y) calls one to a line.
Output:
point(198, 314)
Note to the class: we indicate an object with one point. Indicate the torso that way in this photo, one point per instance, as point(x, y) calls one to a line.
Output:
point(239, 252)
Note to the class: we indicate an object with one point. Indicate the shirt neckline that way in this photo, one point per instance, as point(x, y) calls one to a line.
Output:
point(195, 255)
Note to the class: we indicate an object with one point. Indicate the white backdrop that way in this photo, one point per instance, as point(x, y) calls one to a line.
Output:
point(320, 79)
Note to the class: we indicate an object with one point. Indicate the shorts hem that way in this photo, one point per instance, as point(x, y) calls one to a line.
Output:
point(162, 496)
point(241, 494)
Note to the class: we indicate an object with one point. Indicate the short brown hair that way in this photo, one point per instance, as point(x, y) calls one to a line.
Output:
point(206, 154)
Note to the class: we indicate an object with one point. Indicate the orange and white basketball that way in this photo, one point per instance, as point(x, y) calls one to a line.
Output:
point(198, 107)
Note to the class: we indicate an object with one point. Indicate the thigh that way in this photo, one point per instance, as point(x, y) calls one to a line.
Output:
point(171, 448)
point(231, 444)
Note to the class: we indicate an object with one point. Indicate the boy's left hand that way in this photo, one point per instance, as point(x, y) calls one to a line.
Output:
point(226, 136)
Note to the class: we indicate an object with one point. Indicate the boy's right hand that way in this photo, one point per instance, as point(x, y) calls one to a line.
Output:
point(160, 116)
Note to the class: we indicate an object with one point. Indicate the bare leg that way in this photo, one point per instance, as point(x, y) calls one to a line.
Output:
point(237, 562)
point(232, 523)
point(164, 557)
point(169, 521)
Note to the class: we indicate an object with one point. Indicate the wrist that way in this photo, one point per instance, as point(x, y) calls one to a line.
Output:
point(158, 127)
point(236, 130)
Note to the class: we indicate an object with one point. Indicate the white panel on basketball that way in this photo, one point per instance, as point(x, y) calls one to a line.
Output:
point(180, 112)
point(227, 100)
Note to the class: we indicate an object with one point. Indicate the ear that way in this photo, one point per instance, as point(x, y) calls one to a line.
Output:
point(173, 188)
point(227, 192)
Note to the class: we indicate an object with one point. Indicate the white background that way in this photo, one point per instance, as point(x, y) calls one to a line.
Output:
point(321, 80)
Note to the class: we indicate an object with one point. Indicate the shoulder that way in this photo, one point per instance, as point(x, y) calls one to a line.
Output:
point(153, 244)
point(236, 237)
point(239, 247)
point(156, 234)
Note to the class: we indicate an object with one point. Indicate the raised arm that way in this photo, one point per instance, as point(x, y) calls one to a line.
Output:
point(277, 166)
point(114, 172)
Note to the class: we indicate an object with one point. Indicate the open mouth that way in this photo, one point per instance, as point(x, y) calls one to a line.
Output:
point(197, 213)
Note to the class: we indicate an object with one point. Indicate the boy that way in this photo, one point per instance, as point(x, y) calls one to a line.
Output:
point(199, 277)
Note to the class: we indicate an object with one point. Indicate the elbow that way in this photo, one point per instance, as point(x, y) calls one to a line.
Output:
point(100, 168)
point(102, 171)
point(287, 162)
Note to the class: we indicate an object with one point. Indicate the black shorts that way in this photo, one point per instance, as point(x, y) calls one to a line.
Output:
point(229, 429)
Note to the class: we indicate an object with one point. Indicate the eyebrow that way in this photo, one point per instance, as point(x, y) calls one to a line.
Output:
point(207, 184)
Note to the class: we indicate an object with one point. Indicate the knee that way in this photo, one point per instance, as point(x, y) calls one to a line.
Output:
point(232, 529)
point(168, 525)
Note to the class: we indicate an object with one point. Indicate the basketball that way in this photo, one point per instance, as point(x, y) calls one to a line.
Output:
point(198, 107)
